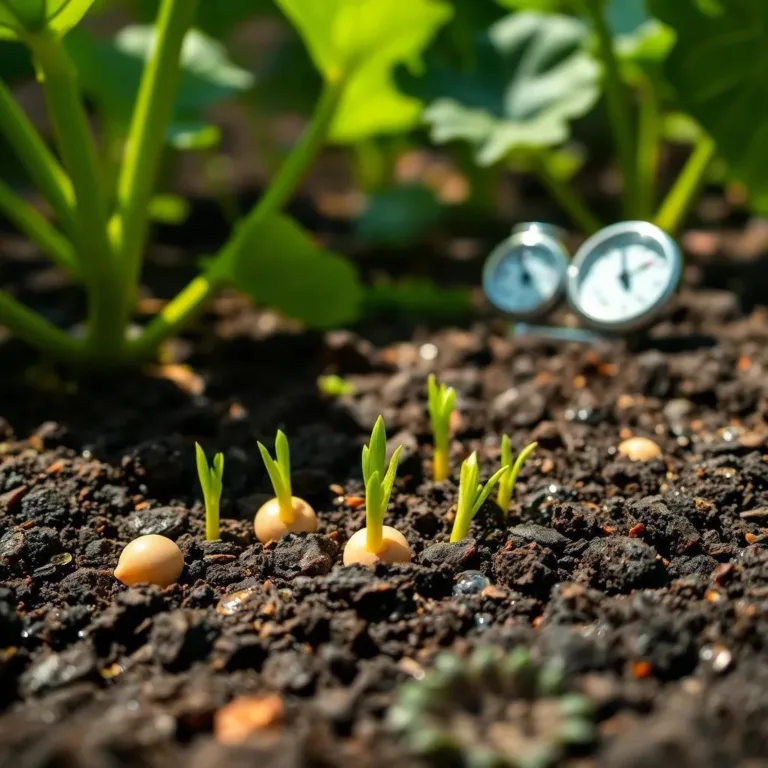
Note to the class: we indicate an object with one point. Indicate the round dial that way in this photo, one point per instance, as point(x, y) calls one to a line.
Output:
point(623, 276)
point(525, 275)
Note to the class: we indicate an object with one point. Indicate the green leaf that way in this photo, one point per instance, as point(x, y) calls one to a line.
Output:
point(377, 455)
point(364, 40)
point(110, 73)
point(202, 470)
point(284, 269)
point(532, 78)
point(417, 296)
point(283, 456)
point(275, 476)
point(718, 67)
point(169, 209)
point(399, 216)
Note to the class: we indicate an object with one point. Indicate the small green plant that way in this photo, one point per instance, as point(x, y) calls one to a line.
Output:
point(377, 541)
point(285, 513)
point(509, 478)
point(441, 402)
point(441, 716)
point(334, 386)
point(101, 185)
point(211, 482)
point(472, 495)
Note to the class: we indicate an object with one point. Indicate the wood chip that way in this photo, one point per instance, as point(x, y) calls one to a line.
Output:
point(248, 715)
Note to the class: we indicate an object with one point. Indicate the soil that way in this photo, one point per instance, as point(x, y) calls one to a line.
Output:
point(644, 583)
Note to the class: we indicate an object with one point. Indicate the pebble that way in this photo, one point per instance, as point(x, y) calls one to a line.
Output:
point(233, 602)
point(639, 449)
point(470, 583)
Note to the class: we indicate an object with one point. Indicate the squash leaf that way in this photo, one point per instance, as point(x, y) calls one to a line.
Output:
point(719, 69)
point(532, 77)
point(364, 40)
point(110, 73)
point(285, 270)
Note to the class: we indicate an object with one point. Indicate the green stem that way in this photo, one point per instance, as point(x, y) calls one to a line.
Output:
point(193, 298)
point(42, 166)
point(146, 139)
point(36, 227)
point(649, 132)
point(619, 105)
point(37, 331)
point(567, 197)
point(677, 204)
point(105, 325)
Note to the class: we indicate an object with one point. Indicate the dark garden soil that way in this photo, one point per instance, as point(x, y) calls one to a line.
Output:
point(645, 583)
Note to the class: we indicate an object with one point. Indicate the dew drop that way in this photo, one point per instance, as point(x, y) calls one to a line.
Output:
point(470, 583)
point(233, 602)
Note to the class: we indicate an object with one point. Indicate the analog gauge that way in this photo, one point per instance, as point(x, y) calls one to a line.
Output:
point(525, 275)
point(624, 276)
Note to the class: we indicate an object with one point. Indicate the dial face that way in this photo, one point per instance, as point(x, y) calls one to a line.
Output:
point(623, 276)
point(525, 275)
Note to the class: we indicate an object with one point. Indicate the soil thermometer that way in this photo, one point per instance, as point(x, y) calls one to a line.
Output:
point(619, 281)
point(525, 275)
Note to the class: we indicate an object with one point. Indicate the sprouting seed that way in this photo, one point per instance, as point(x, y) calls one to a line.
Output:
point(508, 480)
point(441, 401)
point(472, 495)
point(285, 513)
point(377, 542)
point(211, 481)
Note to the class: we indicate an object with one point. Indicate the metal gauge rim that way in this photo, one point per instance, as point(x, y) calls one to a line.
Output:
point(645, 229)
point(526, 236)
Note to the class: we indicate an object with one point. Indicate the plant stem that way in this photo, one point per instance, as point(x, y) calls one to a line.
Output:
point(36, 227)
point(212, 530)
point(191, 300)
point(146, 139)
point(677, 204)
point(567, 197)
point(40, 163)
point(440, 464)
point(619, 105)
point(105, 325)
point(37, 331)
point(649, 131)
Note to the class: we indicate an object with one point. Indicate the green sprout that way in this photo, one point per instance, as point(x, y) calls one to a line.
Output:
point(441, 402)
point(472, 495)
point(378, 481)
point(509, 478)
point(211, 483)
point(334, 386)
point(279, 471)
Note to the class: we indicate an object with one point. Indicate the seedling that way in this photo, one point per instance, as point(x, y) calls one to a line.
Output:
point(285, 513)
point(377, 542)
point(472, 495)
point(441, 402)
point(150, 559)
point(508, 480)
point(211, 483)
point(334, 386)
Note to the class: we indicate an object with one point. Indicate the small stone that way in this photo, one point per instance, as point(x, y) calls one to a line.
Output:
point(11, 544)
point(470, 583)
point(248, 715)
point(639, 449)
point(161, 521)
point(235, 601)
point(547, 537)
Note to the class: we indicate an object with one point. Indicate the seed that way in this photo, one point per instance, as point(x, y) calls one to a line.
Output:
point(639, 449)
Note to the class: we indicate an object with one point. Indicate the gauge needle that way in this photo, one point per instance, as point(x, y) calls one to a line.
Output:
point(625, 275)
point(644, 266)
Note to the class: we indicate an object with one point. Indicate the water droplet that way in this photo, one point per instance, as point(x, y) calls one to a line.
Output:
point(483, 620)
point(63, 559)
point(233, 602)
point(717, 656)
point(470, 583)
